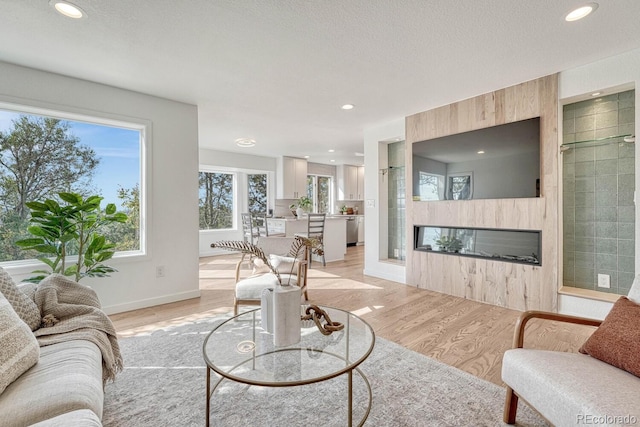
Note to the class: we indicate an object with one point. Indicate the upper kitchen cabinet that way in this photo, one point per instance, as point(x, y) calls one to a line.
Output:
point(291, 178)
point(360, 182)
point(350, 182)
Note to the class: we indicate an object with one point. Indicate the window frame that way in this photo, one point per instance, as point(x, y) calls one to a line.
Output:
point(143, 126)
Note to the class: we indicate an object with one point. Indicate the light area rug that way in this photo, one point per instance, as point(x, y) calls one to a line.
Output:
point(163, 384)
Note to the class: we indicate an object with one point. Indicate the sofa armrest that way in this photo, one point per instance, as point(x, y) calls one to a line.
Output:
point(518, 337)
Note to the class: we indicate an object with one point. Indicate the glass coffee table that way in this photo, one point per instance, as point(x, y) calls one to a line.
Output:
point(240, 350)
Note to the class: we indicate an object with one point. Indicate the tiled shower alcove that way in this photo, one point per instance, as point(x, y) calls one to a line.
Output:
point(598, 180)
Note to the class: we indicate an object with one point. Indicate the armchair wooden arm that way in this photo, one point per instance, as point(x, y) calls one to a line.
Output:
point(239, 266)
point(518, 337)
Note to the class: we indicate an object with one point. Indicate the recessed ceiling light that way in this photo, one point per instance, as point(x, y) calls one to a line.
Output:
point(481, 152)
point(332, 150)
point(245, 142)
point(348, 106)
point(596, 93)
point(306, 157)
point(68, 9)
point(359, 154)
point(332, 160)
point(581, 12)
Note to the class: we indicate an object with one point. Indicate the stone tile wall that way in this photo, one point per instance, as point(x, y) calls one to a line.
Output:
point(598, 189)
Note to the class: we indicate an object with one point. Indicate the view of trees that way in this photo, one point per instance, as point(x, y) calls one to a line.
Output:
point(216, 200)
point(319, 191)
point(40, 157)
point(257, 193)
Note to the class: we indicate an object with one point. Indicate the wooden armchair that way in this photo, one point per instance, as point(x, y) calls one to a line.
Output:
point(248, 290)
point(511, 401)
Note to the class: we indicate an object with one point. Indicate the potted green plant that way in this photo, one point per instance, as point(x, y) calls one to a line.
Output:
point(304, 205)
point(449, 244)
point(71, 227)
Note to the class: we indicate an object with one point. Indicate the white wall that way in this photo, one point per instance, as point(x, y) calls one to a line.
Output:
point(241, 163)
point(619, 71)
point(172, 223)
point(376, 212)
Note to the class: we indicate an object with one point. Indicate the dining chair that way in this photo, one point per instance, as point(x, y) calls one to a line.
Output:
point(250, 233)
point(315, 229)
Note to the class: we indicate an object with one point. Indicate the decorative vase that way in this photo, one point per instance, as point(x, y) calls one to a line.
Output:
point(280, 313)
point(299, 212)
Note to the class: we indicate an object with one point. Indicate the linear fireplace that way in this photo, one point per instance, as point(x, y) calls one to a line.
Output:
point(520, 246)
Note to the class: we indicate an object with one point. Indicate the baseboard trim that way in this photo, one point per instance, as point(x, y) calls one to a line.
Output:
point(382, 274)
point(150, 302)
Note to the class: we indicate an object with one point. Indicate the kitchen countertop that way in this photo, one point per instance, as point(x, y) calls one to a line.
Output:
point(291, 218)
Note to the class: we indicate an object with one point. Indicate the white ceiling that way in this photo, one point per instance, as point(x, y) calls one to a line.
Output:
point(279, 70)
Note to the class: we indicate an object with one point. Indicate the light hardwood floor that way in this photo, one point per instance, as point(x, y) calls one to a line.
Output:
point(466, 334)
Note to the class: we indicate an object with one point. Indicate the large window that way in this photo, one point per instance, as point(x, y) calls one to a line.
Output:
point(319, 191)
point(42, 155)
point(216, 204)
point(257, 193)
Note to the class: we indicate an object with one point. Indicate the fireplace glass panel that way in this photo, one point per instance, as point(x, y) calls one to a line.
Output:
point(521, 246)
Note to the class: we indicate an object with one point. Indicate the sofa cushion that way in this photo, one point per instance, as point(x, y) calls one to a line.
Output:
point(23, 305)
point(566, 388)
point(79, 418)
point(617, 340)
point(19, 348)
point(68, 377)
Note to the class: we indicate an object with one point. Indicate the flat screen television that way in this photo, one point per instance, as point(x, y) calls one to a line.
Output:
point(497, 162)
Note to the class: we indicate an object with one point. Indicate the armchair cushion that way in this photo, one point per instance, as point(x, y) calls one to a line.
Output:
point(566, 387)
point(617, 340)
point(284, 264)
point(259, 267)
point(251, 288)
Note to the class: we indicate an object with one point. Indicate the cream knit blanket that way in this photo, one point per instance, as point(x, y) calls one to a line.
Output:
point(79, 316)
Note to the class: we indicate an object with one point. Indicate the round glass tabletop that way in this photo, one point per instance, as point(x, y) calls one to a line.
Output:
point(241, 350)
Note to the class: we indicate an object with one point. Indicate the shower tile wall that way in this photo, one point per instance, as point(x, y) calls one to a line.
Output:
point(598, 188)
point(396, 213)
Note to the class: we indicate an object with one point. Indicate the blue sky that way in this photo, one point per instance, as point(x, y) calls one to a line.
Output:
point(117, 148)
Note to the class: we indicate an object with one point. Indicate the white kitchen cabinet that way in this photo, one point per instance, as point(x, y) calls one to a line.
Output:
point(348, 184)
point(291, 178)
point(360, 191)
point(360, 220)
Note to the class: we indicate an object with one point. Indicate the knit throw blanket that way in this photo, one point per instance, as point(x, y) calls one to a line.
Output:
point(72, 311)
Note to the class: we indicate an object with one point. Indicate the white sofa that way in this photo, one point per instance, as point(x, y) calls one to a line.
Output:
point(569, 389)
point(64, 387)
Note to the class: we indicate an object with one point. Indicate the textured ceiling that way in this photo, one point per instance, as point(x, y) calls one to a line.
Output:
point(279, 70)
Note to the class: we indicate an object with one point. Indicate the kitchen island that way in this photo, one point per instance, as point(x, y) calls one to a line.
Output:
point(335, 234)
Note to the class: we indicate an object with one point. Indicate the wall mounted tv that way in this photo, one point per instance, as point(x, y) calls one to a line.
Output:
point(497, 162)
